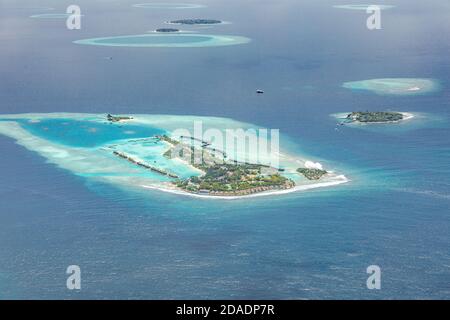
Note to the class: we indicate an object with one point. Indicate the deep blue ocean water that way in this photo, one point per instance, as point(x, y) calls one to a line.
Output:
point(316, 244)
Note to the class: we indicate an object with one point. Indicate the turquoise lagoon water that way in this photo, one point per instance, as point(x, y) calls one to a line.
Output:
point(143, 244)
point(84, 143)
point(83, 133)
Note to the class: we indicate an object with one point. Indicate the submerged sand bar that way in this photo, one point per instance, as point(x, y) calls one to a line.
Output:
point(395, 86)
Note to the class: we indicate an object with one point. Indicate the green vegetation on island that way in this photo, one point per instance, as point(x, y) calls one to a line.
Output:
point(312, 174)
point(196, 21)
point(167, 30)
point(380, 116)
point(167, 139)
point(112, 118)
point(231, 179)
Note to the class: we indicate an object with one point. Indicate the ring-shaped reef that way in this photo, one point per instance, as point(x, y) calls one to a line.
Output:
point(185, 40)
point(51, 16)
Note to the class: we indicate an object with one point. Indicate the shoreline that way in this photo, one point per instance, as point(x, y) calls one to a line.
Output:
point(342, 179)
point(407, 115)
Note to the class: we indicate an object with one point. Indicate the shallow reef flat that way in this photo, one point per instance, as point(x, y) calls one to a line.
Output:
point(166, 40)
point(395, 86)
point(129, 152)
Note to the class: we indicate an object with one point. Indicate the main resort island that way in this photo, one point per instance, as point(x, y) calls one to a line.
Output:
point(148, 151)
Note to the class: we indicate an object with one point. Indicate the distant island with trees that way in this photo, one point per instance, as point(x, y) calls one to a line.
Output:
point(167, 30)
point(371, 117)
point(196, 21)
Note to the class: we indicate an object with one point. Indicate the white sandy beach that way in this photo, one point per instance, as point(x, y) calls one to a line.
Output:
point(172, 189)
point(407, 116)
